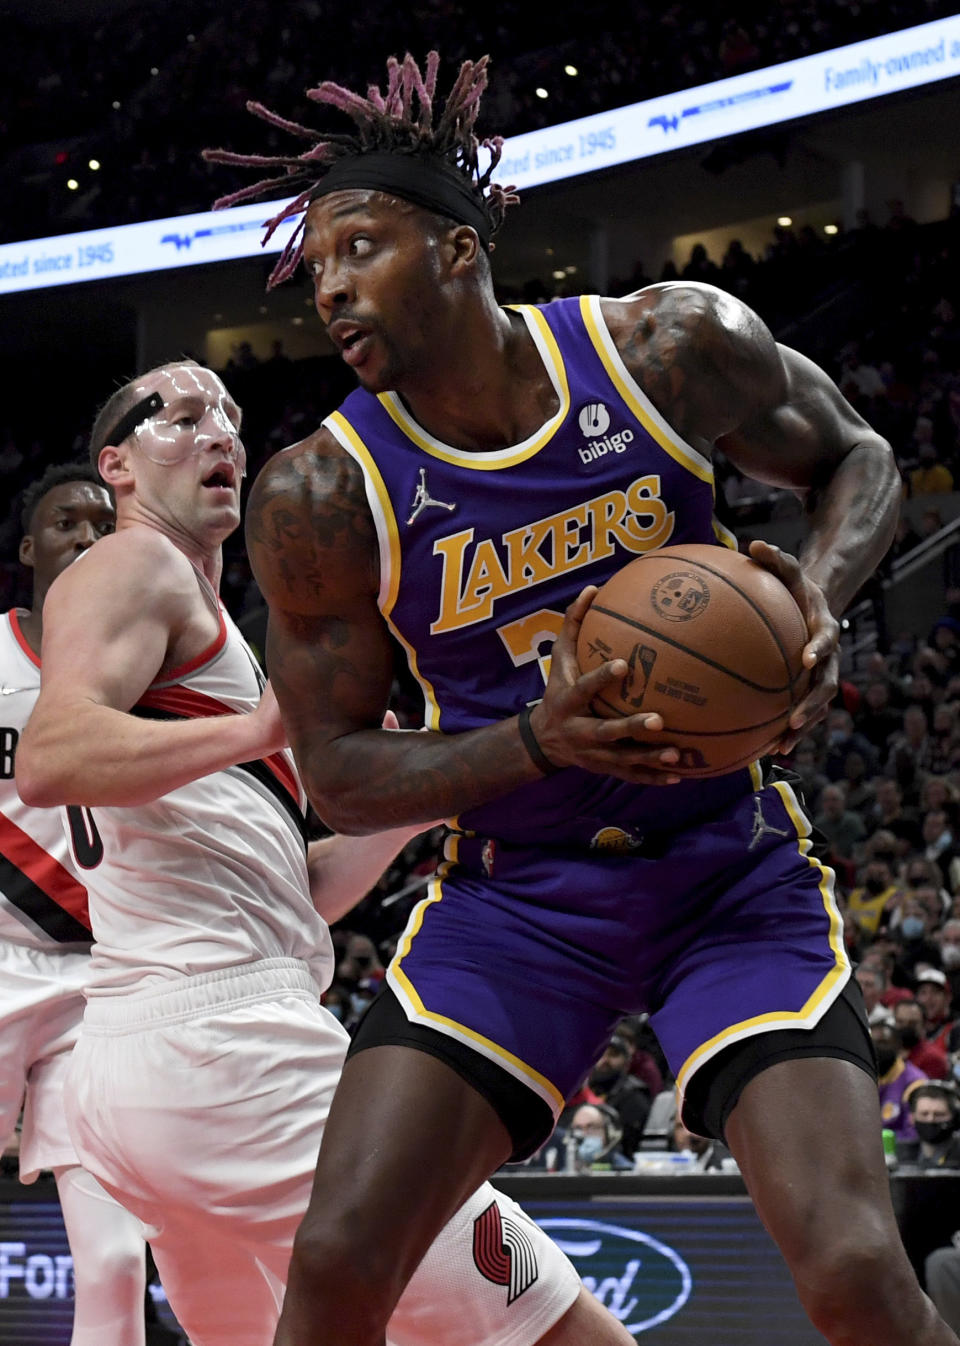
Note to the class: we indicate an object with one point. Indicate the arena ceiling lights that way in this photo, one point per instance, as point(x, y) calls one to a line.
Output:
point(840, 78)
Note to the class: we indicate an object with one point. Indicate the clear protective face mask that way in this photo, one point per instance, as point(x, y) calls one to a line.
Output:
point(189, 423)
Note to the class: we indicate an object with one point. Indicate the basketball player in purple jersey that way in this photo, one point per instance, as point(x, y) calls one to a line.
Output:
point(492, 463)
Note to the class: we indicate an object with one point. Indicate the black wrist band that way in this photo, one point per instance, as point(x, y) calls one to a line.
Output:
point(537, 755)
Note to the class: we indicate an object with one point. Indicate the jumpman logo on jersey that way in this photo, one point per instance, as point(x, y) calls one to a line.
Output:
point(761, 827)
point(423, 499)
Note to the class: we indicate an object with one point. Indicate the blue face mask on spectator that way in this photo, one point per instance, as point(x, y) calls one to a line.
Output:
point(590, 1148)
point(912, 927)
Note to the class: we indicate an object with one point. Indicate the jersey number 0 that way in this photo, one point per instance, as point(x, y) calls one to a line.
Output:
point(84, 838)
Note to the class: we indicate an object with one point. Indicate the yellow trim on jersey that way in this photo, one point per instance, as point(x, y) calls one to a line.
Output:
point(822, 996)
point(404, 988)
point(756, 776)
point(363, 456)
point(640, 405)
point(723, 534)
point(372, 473)
point(494, 460)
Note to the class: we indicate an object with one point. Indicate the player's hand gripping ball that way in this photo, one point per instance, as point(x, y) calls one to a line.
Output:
point(713, 643)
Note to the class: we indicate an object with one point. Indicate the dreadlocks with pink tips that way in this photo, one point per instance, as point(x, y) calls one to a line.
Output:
point(399, 146)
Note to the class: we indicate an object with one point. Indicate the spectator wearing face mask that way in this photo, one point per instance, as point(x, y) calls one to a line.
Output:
point(896, 1075)
point(611, 1082)
point(947, 939)
point(843, 739)
point(336, 998)
point(909, 1020)
point(934, 1111)
point(596, 1129)
point(913, 926)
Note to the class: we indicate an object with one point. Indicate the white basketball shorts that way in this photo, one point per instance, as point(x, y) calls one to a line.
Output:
point(201, 1107)
point(41, 1005)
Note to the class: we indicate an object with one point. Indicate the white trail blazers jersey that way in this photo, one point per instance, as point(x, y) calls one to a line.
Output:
point(212, 875)
point(43, 905)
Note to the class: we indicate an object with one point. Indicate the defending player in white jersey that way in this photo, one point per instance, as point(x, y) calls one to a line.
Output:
point(206, 1064)
point(45, 939)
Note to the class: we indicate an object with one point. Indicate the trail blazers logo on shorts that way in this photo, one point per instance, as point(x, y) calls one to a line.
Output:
point(503, 1252)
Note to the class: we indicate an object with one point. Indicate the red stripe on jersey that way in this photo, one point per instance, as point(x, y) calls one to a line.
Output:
point(284, 773)
point(20, 638)
point(184, 701)
point(44, 870)
point(193, 705)
point(192, 665)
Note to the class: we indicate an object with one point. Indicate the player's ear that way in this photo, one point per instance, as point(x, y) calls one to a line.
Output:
point(26, 550)
point(466, 248)
point(113, 465)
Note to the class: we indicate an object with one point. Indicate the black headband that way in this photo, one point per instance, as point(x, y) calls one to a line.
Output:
point(138, 413)
point(426, 182)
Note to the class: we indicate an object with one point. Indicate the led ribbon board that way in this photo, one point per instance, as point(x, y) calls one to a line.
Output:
point(727, 107)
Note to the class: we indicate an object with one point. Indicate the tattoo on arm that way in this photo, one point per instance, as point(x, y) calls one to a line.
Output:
point(307, 517)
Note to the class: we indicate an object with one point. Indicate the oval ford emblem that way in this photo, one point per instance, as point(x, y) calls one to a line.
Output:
point(640, 1280)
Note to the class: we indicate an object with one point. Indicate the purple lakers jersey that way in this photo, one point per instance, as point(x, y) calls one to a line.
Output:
point(481, 552)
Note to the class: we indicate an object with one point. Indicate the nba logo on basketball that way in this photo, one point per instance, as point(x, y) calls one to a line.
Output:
point(639, 668)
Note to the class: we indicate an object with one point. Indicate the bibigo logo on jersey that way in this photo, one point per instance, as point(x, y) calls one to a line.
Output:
point(594, 420)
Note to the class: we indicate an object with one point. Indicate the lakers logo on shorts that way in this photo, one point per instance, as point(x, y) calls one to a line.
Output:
point(615, 839)
point(503, 1252)
point(680, 596)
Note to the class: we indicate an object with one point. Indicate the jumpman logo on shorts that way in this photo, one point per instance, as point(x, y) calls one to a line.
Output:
point(761, 827)
point(423, 499)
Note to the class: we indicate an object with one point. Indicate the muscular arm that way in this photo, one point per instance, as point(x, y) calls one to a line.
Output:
point(313, 549)
point(713, 369)
point(715, 372)
point(110, 621)
point(343, 869)
point(312, 546)
point(846, 474)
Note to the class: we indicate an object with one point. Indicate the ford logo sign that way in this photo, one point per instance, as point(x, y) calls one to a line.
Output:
point(640, 1280)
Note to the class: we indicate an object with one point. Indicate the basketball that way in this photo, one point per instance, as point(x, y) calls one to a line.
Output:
point(713, 644)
